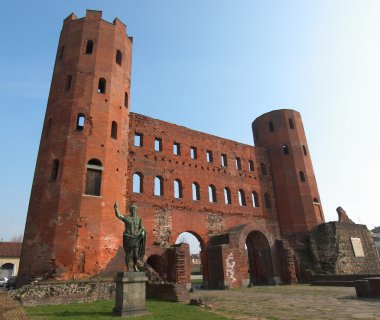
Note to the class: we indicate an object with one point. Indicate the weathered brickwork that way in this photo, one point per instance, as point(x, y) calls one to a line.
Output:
point(251, 208)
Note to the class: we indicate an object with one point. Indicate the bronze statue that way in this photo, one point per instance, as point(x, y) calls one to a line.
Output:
point(134, 235)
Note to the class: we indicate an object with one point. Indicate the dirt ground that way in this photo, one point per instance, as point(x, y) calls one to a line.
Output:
point(291, 302)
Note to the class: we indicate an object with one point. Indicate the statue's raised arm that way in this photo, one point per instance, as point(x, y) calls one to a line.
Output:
point(117, 212)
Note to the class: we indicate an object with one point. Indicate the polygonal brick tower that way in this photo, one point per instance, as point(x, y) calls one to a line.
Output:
point(299, 208)
point(81, 167)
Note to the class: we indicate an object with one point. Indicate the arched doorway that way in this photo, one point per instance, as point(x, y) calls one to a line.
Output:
point(259, 258)
point(197, 257)
point(158, 265)
point(7, 270)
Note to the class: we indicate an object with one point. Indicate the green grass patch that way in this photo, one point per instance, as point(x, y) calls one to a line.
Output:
point(103, 310)
point(196, 281)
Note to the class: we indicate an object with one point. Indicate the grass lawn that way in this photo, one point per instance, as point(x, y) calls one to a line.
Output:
point(103, 310)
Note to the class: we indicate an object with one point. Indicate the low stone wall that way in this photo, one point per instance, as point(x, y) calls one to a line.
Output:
point(49, 292)
point(167, 291)
point(339, 280)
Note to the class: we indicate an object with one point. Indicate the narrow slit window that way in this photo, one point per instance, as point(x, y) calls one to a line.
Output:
point(227, 196)
point(54, 170)
point(238, 163)
point(119, 57)
point(114, 130)
point(304, 150)
point(285, 149)
point(242, 201)
point(48, 128)
point(267, 199)
point(102, 86)
point(61, 53)
point(251, 165)
point(176, 148)
point(137, 183)
point(291, 123)
point(211, 193)
point(263, 169)
point(177, 189)
point(158, 186)
point(68, 82)
point(80, 122)
point(196, 191)
point(138, 140)
point(126, 99)
point(302, 176)
point(158, 144)
point(94, 177)
point(271, 126)
point(89, 46)
point(224, 160)
point(255, 199)
point(193, 153)
point(209, 157)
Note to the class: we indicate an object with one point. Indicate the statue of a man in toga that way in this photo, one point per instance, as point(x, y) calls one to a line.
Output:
point(134, 235)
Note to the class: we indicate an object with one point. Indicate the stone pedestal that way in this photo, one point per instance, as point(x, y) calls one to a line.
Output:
point(130, 297)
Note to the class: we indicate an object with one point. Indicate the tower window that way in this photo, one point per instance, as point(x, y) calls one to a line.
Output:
point(285, 149)
point(193, 153)
point(263, 169)
point(291, 124)
point(137, 186)
point(158, 144)
point(251, 165)
point(126, 100)
point(209, 157)
point(54, 170)
point(196, 191)
point(68, 82)
point(238, 163)
point(255, 200)
point(177, 189)
point(304, 150)
point(224, 160)
point(271, 126)
point(158, 186)
point(227, 196)
point(302, 176)
point(61, 53)
point(89, 46)
point(138, 140)
point(94, 177)
point(211, 193)
point(80, 122)
point(119, 57)
point(48, 127)
point(241, 195)
point(267, 199)
point(102, 86)
point(114, 130)
point(176, 148)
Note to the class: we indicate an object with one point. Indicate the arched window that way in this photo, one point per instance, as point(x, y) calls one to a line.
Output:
point(94, 177)
point(61, 53)
point(241, 195)
point(302, 176)
point(68, 82)
point(102, 86)
point(315, 201)
point(251, 165)
point(54, 170)
point(137, 182)
point(89, 46)
point(80, 122)
point(255, 200)
point(114, 130)
point(48, 127)
point(285, 149)
point(291, 124)
point(158, 186)
point(177, 189)
point(196, 191)
point(211, 193)
point(126, 99)
point(119, 57)
point(267, 199)
point(304, 150)
point(271, 126)
point(227, 196)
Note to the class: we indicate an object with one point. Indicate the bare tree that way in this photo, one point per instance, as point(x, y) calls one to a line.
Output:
point(18, 238)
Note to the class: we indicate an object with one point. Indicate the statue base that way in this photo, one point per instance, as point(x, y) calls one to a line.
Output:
point(130, 297)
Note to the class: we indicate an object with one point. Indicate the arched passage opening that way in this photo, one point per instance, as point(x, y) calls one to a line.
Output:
point(7, 270)
point(198, 259)
point(158, 264)
point(259, 258)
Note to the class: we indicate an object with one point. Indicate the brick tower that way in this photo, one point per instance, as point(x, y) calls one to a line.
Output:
point(82, 160)
point(281, 133)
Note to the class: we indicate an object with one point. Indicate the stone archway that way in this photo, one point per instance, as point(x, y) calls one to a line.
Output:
point(158, 264)
point(259, 258)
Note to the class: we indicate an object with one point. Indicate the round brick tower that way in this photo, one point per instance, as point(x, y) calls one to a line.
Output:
point(81, 167)
point(281, 133)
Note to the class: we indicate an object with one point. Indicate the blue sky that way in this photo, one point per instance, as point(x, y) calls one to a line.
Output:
point(215, 66)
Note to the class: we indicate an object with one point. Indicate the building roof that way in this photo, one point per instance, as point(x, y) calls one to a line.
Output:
point(376, 230)
point(10, 249)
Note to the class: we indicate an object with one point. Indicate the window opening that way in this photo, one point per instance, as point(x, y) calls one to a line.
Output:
point(138, 140)
point(61, 53)
point(80, 122)
point(157, 144)
point(227, 196)
point(291, 124)
point(68, 82)
point(193, 153)
point(94, 177)
point(119, 57)
point(114, 130)
point(224, 160)
point(196, 191)
point(238, 163)
point(89, 46)
point(251, 165)
point(126, 99)
point(158, 186)
point(255, 199)
point(209, 156)
point(304, 150)
point(268, 204)
point(177, 189)
point(176, 148)
point(242, 201)
point(137, 183)
point(54, 170)
point(285, 149)
point(211, 193)
point(102, 86)
point(47, 128)
point(302, 176)
point(271, 126)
